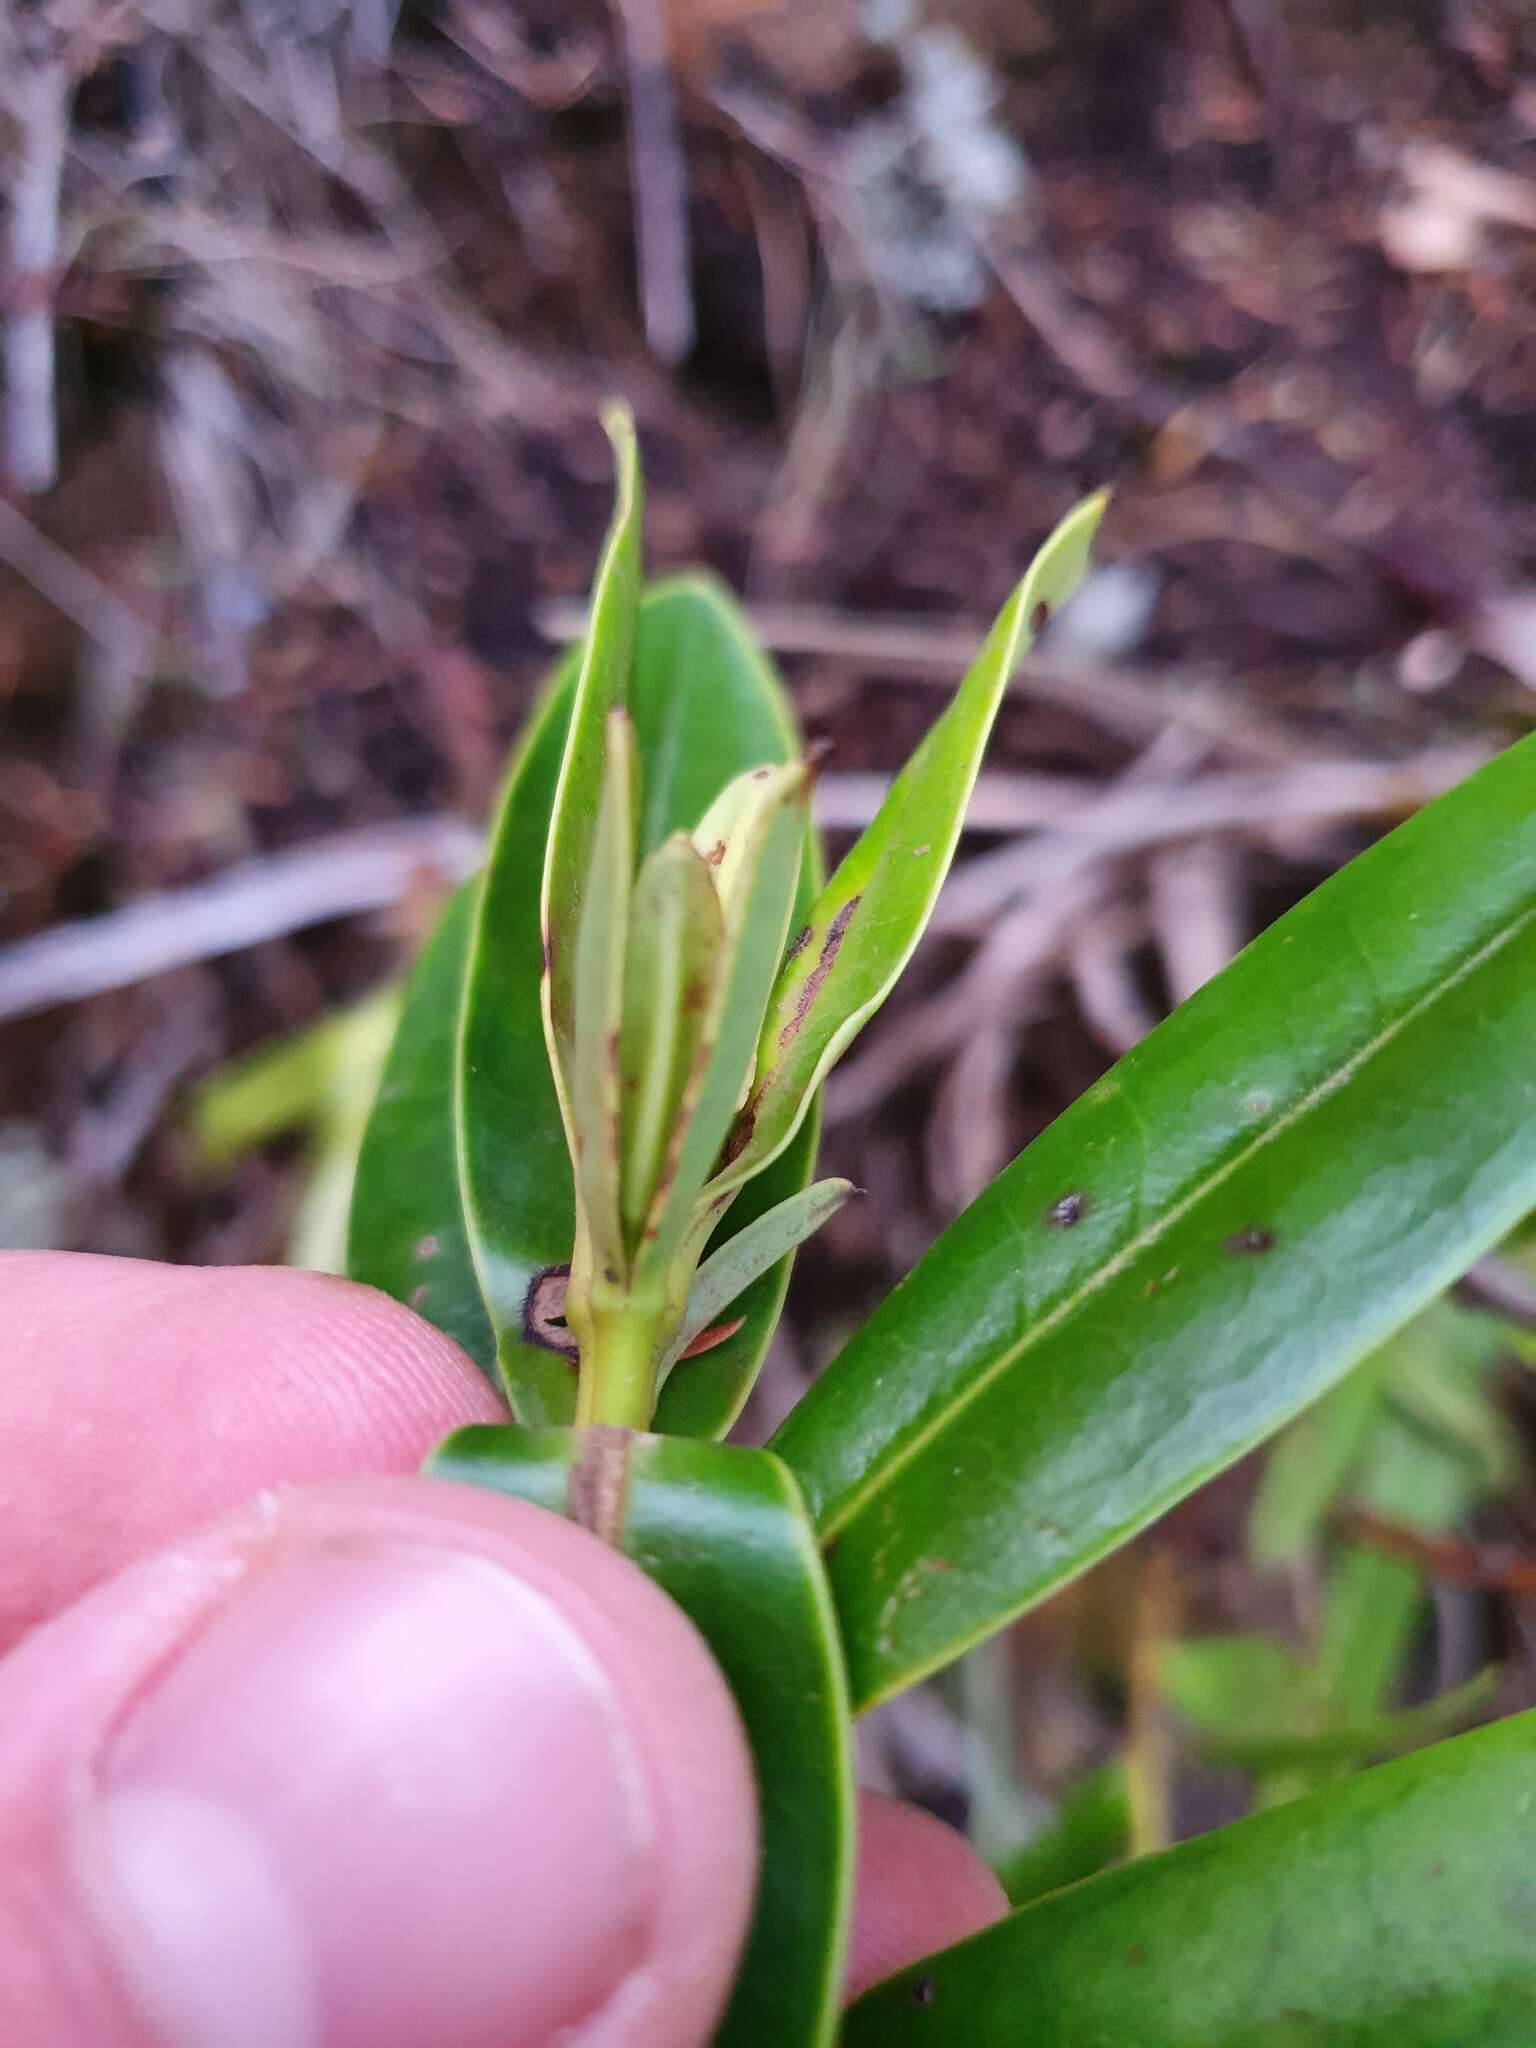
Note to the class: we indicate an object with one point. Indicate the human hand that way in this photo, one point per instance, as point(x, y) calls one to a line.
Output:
point(371, 1759)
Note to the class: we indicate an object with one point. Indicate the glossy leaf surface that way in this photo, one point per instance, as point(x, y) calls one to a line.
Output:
point(724, 1532)
point(704, 706)
point(405, 1231)
point(866, 922)
point(1393, 1912)
point(1290, 1166)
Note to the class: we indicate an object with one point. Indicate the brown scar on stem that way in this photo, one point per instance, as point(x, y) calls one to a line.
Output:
point(818, 974)
point(544, 1312)
point(599, 1481)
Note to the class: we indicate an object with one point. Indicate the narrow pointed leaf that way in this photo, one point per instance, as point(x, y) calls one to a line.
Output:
point(725, 1533)
point(705, 705)
point(1392, 1912)
point(1288, 1168)
point(726, 1274)
point(598, 989)
point(866, 922)
point(756, 915)
point(602, 686)
point(675, 935)
point(405, 1230)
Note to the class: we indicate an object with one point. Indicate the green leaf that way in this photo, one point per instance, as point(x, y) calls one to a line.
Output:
point(675, 935)
point(866, 922)
point(727, 1273)
point(769, 844)
point(705, 706)
point(602, 686)
point(1089, 1830)
point(405, 1232)
point(1290, 1166)
point(725, 1533)
point(1393, 1912)
point(598, 990)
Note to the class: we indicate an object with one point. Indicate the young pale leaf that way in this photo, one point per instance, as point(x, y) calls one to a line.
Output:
point(1392, 1912)
point(724, 1532)
point(598, 991)
point(676, 932)
point(1288, 1168)
point(866, 922)
point(756, 915)
point(602, 686)
point(705, 706)
point(727, 1273)
point(405, 1231)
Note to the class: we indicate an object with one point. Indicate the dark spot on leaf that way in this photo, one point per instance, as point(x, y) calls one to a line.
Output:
point(1136, 1953)
point(716, 853)
point(1040, 617)
point(695, 994)
point(797, 944)
point(922, 1991)
point(761, 774)
point(426, 1247)
point(741, 1130)
point(1067, 1210)
point(1247, 1243)
point(546, 954)
point(836, 931)
point(418, 1295)
point(544, 1312)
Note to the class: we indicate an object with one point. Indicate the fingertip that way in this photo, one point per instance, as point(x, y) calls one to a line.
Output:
point(920, 1887)
point(394, 1760)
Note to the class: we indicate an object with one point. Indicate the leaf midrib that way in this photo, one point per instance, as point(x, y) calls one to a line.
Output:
point(1129, 1252)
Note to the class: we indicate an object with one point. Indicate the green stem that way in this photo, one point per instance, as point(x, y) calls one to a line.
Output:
point(618, 1368)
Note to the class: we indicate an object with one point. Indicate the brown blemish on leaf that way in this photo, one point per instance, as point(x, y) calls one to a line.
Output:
point(546, 954)
point(544, 1312)
point(695, 994)
point(1040, 617)
point(922, 1991)
point(836, 931)
point(716, 854)
point(741, 1130)
point(1248, 1243)
point(707, 1340)
point(798, 944)
point(426, 1247)
point(598, 1482)
point(417, 1295)
point(1067, 1210)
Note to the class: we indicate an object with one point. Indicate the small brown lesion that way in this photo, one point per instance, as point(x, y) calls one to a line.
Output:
point(544, 1324)
point(1040, 617)
point(812, 986)
point(716, 854)
point(1067, 1210)
point(1250, 1243)
point(599, 1482)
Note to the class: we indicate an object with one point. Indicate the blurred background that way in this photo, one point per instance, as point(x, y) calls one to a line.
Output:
point(308, 309)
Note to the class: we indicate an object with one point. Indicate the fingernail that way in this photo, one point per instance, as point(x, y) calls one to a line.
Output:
point(385, 1796)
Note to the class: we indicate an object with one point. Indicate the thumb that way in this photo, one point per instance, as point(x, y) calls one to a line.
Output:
point(382, 1763)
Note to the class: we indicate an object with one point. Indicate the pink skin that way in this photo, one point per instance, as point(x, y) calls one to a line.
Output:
point(368, 1758)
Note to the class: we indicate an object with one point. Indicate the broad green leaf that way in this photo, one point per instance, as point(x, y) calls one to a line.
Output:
point(676, 933)
point(1089, 1830)
point(866, 922)
point(598, 1006)
point(727, 1273)
point(405, 1233)
point(770, 844)
point(725, 1533)
point(1392, 1912)
point(1290, 1166)
point(705, 706)
point(602, 686)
